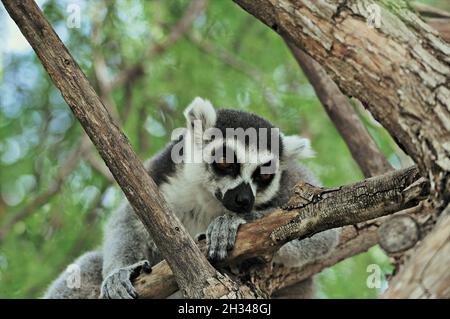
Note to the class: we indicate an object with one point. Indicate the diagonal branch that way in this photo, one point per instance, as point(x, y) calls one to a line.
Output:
point(310, 210)
point(426, 11)
point(367, 155)
point(435, 17)
point(398, 68)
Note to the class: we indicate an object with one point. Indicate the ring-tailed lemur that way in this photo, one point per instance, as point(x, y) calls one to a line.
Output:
point(231, 184)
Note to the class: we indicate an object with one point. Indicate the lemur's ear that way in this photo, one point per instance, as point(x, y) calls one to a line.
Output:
point(200, 110)
point(296, 147)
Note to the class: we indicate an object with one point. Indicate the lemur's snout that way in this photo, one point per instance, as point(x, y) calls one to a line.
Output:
point(239, 199)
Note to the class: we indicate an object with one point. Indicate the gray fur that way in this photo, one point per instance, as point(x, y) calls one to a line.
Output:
point(90, 265)
point(221, 235)
point(191, 192)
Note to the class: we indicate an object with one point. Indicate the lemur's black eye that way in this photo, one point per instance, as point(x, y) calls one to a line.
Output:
point(265, 177)
point(225, 163)
point(222, 164)
point(261, 177)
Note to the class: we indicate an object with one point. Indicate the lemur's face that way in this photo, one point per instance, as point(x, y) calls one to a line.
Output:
point(239, 176)
point(237, 156)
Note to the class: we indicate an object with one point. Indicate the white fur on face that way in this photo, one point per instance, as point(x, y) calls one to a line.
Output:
point(249, 160)
point(186, 195)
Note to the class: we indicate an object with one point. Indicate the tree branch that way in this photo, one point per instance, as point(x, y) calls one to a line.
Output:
point(310, 210)
point(195, 276)
point(427, 11)
point(417, 115)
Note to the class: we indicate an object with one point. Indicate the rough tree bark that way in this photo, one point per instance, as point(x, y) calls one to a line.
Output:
point(195, 275)
point(397, 234)
point(310, 210)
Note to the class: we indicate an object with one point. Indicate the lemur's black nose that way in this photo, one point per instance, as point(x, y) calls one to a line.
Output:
point(239, 199)
point(243, 199)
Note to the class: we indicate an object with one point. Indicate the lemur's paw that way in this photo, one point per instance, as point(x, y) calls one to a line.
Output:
point(118, 285)
point(221, 235)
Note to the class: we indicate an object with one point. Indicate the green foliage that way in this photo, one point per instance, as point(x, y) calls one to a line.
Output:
point(38, 131)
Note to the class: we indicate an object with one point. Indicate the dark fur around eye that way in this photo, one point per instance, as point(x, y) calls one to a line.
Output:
point(221, 167)
point(262, 180)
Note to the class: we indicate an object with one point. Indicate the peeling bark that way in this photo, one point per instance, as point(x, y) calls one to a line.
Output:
point(400, 70)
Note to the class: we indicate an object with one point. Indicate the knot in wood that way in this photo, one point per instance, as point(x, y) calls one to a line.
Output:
point(398, 234)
